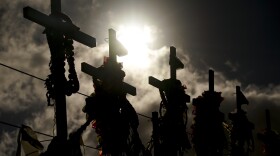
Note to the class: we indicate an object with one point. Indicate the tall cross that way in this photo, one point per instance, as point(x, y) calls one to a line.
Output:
point(115, 49)
point(60, 25)
point(168, 100)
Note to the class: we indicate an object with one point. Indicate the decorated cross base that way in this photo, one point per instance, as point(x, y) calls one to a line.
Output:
point(208, 132)
point(270, 138)
point(241, 131)
point(172, 123)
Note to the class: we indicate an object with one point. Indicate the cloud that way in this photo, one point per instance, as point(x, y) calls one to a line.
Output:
point(23, 98)
point(232, 66)
point(8, 143)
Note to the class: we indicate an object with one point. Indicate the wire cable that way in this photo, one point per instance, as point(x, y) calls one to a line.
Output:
point(33, 76)
point(16, 126)
point(20, 71)
point(12, 125)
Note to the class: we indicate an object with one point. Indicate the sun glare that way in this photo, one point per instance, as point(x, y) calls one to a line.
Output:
point(136, 40)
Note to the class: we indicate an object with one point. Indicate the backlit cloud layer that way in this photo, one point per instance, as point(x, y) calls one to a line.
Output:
point(23, 46)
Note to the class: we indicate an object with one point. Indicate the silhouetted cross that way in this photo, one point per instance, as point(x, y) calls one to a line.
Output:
point(115, 49)
point(58, 26)
point(174, 63)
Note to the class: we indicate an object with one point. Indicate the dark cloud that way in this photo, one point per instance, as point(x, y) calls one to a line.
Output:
point(238, 39)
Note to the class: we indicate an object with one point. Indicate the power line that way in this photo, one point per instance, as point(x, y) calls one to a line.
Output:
point(33, 76)
point(16, 126)
point(22, 72)
point(6, 123)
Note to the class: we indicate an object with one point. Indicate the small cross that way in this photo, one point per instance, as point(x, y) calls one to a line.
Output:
point(174, 63)
point(115, 49)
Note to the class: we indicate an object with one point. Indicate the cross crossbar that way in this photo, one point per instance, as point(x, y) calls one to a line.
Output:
point(156, 83)
point(90, 70)
point(67, 28)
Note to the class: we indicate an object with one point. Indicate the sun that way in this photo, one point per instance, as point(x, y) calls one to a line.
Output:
point(136, 40)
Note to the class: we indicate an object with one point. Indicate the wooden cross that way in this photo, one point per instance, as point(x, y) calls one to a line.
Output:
point(115, 49)
point(59, 28)
point(174, 63)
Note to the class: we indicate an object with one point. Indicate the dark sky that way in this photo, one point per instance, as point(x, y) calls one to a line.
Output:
point(244, 33)
point(239, 39)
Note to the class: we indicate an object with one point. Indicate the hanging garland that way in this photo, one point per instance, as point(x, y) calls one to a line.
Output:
point(61, 48)
point(208, 130)
point(173, 117)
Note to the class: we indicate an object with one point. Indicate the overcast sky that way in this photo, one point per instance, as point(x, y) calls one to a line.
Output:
point(239, 39)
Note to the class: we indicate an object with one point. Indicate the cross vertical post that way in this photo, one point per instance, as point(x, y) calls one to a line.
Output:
point(211, 80)
point(174, 63)
point(55, 40)
point(112, 54)
point(172, 67)
point(55, 6)
point(115, 48)
point(156, 133)
point(238, 91)
point(267, 118)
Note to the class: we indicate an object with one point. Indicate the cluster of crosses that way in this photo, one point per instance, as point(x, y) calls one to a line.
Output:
point(170, 137)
